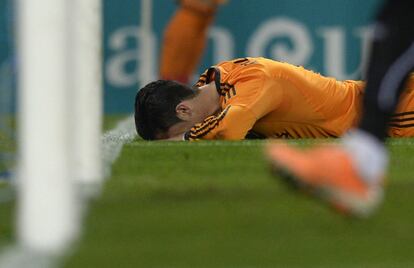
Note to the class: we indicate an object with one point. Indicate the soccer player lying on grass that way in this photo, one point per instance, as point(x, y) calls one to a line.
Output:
point(257, 97)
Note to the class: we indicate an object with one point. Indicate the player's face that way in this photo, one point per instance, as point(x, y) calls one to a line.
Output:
point(176, 131)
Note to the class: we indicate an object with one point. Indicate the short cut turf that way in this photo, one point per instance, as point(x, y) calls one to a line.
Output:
point(214, 204)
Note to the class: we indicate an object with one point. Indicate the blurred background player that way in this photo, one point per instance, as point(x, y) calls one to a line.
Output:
point(185, 38)
point(350, 176)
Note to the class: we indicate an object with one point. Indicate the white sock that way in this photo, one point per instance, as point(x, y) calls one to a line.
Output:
point(369, 155)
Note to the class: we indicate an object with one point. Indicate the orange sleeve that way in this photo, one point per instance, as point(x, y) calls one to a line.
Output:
point(268, 97)
point(257, 98)
point(233, 123)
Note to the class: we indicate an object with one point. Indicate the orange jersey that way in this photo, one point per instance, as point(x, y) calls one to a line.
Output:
point(278, 100)
point(402, 122)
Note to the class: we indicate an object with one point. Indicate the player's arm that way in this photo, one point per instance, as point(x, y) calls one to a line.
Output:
point(257, 95)
point(233, 123)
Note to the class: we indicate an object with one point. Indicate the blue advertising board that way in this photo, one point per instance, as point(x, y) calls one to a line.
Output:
point(328, 36)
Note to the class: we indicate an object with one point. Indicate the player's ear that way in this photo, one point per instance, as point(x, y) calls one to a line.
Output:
point(183, 111)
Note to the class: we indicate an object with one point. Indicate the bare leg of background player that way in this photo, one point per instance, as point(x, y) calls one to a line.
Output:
point(185, 39)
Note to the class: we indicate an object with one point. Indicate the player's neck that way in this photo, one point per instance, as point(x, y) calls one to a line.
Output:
point(208, 99)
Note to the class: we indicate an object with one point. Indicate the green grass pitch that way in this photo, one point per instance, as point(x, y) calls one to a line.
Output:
point(214, 204)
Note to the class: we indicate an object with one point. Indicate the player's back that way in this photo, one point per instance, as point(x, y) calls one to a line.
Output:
point(309, 105)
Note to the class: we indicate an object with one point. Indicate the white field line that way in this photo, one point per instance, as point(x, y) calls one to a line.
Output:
point(113, 140)
point(15, 256)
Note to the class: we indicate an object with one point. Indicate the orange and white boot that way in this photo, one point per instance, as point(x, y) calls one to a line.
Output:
point(327, 172)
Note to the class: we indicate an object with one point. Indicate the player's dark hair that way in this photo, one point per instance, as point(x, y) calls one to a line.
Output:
point(155, 107)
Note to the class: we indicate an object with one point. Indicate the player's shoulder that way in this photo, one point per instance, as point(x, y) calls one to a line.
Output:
point(238, 70)
point(242, 62)
point(243, 67)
